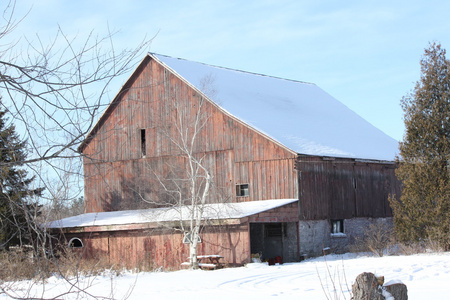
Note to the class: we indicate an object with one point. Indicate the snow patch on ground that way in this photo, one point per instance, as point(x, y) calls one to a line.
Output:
point(424, 275)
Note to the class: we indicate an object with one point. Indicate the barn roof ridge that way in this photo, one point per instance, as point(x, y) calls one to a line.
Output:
point(212, 101)
point(232, 69)
point(154, 56)
point(298, 116)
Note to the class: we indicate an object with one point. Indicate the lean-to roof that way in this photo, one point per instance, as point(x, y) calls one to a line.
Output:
point(216, 211)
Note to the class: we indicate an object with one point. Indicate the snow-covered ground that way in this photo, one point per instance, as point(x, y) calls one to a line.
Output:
point(426, 276)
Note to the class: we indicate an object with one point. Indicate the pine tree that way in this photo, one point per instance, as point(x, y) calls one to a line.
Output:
point(17, 211)
point(423, 212)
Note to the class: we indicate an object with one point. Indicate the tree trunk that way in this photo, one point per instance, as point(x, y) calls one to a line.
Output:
point(369, 287)
point(398, 290)
point(193, 252)
point(366, 287)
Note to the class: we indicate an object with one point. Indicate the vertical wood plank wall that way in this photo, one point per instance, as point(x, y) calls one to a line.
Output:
point(156, 248)
point(155, 100)
point(345, 188)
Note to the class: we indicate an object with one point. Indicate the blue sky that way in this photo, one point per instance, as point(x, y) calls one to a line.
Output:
point(364, 53)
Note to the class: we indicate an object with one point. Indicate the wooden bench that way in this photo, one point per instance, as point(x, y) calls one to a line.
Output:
point(209, 262)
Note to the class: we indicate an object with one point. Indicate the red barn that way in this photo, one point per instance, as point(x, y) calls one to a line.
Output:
point(300, 170)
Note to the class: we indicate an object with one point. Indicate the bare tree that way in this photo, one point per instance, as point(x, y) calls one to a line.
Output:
point(198, 177)
point(53, 92)
point(57, 89)
point(187, 188)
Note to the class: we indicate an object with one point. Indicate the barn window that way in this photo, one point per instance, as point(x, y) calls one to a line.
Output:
point(337, 226)
point(143, 146)
point(275, 229)
point(75, 243)
point(242, 190)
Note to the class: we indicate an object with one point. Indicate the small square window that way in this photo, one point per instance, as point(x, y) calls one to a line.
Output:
point(242, 190)
point(337, 226)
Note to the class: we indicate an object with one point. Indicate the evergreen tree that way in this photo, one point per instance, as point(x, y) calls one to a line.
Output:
point(423, 211)
point(17, 211)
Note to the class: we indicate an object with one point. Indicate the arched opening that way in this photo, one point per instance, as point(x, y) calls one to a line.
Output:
point(75, 243)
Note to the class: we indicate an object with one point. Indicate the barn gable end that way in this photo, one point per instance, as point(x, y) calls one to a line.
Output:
point(144, 114)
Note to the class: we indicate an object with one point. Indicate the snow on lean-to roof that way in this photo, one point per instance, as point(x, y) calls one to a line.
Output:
point(216, 211)
point(299, 115)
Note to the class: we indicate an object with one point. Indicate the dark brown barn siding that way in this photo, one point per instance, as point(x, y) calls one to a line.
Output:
point(154, 99)
point(341, 188)
point(269, 179)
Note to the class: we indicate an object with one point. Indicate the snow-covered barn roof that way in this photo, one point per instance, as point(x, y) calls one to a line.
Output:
point(217, 211)
point(299, 115)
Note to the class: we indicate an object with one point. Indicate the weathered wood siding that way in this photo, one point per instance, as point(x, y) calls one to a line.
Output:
point(154, 99)
point(345, 188)
point(284, 214)
point(268, 179)
point(155, 248)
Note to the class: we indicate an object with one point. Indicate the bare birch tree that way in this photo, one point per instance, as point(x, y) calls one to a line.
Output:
point(198, 176)
point(189, 188)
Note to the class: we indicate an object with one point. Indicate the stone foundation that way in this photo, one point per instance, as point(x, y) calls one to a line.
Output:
point(315, 235)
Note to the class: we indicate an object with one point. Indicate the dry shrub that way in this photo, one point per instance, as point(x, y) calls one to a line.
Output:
point(378, 239)
point(436, 241)
point(70, 264)
point(425, 246)
point(73, 263)
point(146, 264)
point(69, 267)
point(19, 264)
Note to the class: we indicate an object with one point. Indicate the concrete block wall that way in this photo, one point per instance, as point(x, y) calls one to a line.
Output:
point(315, 235)
point(290, 247)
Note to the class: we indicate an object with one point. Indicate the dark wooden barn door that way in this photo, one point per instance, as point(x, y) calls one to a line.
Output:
point(274, 239)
